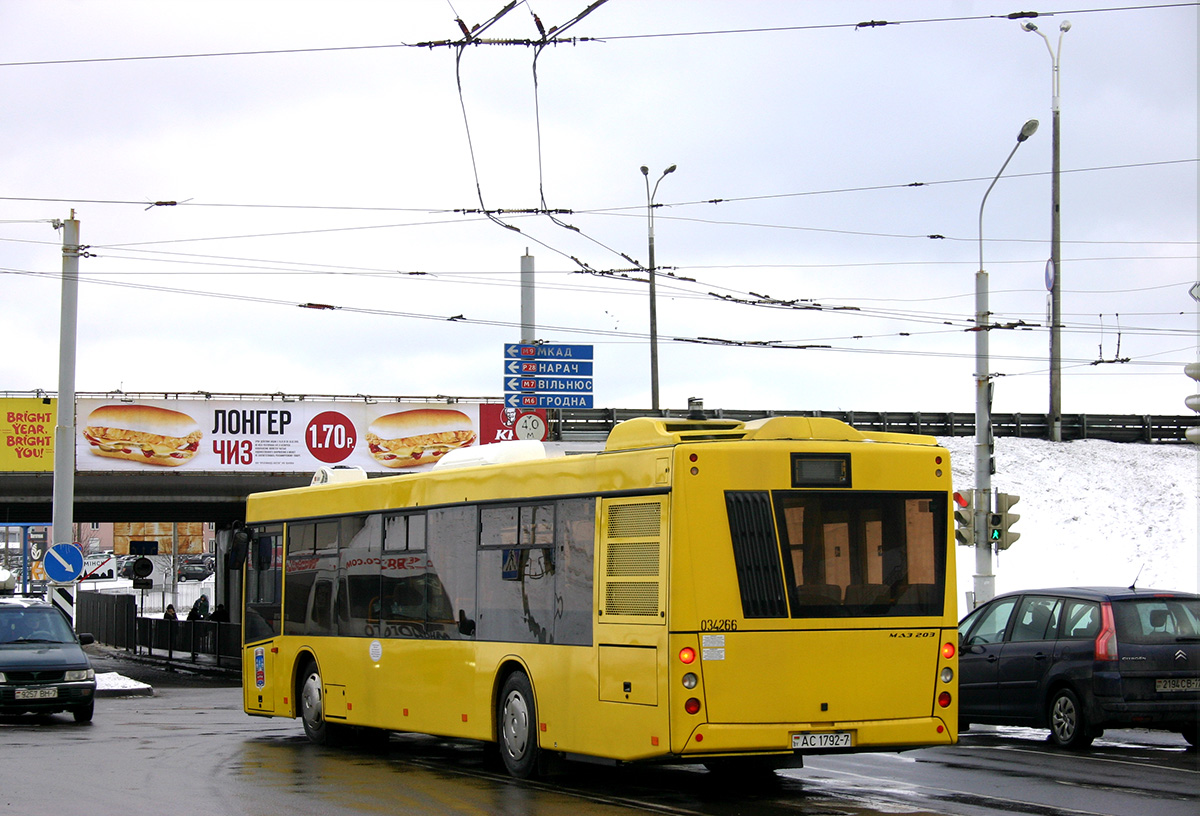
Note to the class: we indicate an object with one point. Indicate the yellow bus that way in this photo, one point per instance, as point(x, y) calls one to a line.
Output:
point(703, 591)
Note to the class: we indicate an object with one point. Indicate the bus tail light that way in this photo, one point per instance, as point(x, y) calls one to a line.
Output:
point(1106, 641)
point(944, 699)
point(690, 680)
point(687, 655)
point(692, 706)
point(948, 650)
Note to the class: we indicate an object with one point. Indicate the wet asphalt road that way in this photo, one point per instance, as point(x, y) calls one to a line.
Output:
point(190, 747)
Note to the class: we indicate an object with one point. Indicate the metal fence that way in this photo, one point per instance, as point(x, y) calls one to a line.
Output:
point(114, 621)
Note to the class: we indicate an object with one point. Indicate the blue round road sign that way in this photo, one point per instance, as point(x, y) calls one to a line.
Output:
point(63, 563)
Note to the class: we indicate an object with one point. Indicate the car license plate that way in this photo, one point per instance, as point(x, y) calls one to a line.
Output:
point(37, 693)
point(823, 739)
point(1177, 684)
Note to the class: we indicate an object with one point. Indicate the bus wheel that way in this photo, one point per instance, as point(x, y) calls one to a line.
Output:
point(312, 706)
point(516, 728)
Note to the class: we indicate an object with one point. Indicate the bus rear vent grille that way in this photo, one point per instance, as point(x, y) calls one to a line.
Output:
point(635, 559)
point(632, 598)
point(756, 555)
point(634, 520)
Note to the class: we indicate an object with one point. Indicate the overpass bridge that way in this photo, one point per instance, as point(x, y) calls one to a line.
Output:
point(254, 442)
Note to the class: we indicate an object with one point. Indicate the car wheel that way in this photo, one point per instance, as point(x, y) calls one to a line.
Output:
point(1068, 727)
point(516, 729)
point(312, 705)
point(84, 714)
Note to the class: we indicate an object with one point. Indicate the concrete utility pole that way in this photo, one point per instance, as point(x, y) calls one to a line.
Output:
point(528, 316)
point(63, 498)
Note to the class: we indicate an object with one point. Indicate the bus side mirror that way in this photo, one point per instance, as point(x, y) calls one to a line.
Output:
point(239, 544)
point(264, 549)
point(466, 626)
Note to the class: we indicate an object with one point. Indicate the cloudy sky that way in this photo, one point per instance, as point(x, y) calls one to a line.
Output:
point(817, 244)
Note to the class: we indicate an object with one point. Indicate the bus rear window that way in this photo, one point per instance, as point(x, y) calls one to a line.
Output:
point(857, 554)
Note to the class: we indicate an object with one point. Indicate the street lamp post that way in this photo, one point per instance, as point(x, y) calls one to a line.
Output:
point(653, 294)
point(985, 581)
point(1055, 282)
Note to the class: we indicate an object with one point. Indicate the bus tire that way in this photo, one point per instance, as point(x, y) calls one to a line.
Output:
point(310, 697)
point(516, 726)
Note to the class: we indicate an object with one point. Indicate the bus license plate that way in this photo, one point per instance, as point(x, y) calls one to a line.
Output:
point(1178, 684)
point(823, 739)
point(37, 693)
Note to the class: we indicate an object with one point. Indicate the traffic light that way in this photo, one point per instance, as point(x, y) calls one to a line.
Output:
point(1000, 523)
point(964, 518)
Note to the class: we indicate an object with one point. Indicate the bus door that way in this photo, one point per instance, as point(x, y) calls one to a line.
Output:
point(261, 617)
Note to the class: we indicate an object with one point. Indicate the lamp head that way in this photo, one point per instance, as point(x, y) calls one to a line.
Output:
point(670, 169)
point(1028, 26)
point(1064, 26)
point(1027, 130)
point(645, 170)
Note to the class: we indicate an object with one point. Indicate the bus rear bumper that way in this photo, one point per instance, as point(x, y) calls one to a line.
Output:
point(817, 738)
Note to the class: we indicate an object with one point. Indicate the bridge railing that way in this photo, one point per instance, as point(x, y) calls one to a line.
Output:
point(594, 424)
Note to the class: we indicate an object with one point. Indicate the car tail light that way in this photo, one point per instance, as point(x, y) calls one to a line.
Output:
point(1106, 641)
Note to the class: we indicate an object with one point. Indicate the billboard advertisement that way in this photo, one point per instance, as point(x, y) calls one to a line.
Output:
point(27, 434)
point(296, 436)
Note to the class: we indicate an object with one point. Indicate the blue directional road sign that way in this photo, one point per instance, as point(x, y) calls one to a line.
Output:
point(63, 563)
point(547, 375)
point(546, 351)
point(550, 385)
point(534, 400)
point(552, 368)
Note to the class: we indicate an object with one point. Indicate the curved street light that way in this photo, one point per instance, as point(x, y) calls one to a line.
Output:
point(1054, 284)
point(653, 294)
point(985, 582)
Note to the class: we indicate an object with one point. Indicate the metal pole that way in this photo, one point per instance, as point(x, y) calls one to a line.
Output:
point(1054, 418)
point(1056, 284)
point(653, 293)
point(985, 581)
point(64, 429)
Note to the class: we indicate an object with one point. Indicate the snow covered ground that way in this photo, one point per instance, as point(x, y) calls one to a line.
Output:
point(1092, 512)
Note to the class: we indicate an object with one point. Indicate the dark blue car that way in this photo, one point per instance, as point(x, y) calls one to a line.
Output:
point(43, 668)
point(1079, 659)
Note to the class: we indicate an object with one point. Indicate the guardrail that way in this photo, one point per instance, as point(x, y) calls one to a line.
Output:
point(579, 424)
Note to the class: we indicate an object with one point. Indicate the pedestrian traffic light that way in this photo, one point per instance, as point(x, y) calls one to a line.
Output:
point(964, 518)
point(1000, 523)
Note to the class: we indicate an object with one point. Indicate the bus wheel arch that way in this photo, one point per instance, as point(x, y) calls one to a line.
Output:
point(516, 722)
